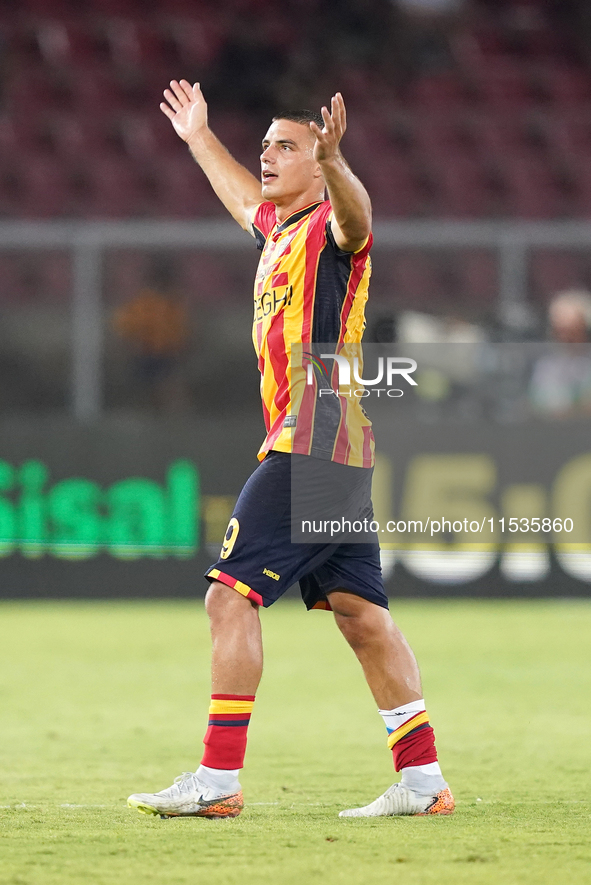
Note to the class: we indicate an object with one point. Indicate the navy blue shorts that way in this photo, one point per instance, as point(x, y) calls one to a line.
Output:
point(259, 559)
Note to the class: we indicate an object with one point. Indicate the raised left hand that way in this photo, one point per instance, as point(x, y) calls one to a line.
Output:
point(335, 123)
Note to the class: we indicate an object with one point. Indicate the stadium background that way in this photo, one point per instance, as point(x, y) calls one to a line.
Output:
point(129, 392)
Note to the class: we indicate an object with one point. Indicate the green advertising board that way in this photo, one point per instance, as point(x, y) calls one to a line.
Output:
point(138, 508)
point(77, 518)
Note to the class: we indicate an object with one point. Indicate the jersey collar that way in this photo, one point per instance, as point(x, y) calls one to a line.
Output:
point(297, 216)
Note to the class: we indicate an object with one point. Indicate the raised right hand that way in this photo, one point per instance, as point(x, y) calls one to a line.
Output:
point(186, 108)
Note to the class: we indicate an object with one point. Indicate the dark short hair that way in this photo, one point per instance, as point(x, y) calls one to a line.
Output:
point(302, 116)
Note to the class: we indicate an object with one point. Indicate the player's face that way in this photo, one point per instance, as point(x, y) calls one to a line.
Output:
point(288, 167)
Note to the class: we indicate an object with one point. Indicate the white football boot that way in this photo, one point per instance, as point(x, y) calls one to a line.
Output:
point(189, 797)
point(401, 800)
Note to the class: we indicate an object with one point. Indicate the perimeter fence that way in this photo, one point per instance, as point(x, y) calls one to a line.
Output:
point(65, 287)
point(129, 404)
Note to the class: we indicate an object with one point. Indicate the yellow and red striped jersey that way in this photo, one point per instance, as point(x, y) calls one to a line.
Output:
point(307, 290)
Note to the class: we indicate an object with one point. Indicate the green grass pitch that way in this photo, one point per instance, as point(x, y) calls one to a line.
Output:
point(99, 700)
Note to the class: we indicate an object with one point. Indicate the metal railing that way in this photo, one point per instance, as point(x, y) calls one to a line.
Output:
point(87, 241)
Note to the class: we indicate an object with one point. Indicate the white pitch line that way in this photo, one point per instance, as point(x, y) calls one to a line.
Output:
point(287, 804)
point(70, 805)
point(63, 805)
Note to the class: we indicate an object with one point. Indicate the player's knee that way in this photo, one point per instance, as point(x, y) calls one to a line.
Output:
point(358, 629)
point(222, 602)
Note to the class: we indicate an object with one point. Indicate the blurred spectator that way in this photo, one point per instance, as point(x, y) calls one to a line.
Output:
point(429, 27)
point(353, 33)
point(254, 59)
point(155, 324)
point(431, 8)
point(449, 355)
point(574, 16)
point(383, 330)
point(570, 316)
point(561, 381)
point(423, 328)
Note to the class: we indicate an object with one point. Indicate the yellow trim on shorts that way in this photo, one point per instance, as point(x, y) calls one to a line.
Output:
point(242, 588)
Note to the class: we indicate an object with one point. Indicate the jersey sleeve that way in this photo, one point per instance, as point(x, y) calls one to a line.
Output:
point(263, 222)
point(361, 253)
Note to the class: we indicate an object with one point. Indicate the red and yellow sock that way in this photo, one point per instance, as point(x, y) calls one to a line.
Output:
point(413, 743)
point(410, 736)
point(225, 738)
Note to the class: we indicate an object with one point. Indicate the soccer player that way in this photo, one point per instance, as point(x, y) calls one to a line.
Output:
point(311, 286)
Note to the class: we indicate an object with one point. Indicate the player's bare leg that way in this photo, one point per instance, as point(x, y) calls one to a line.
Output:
point(237, 664)
point(388, 663)
point(237, 645)
point(393, 677)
